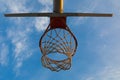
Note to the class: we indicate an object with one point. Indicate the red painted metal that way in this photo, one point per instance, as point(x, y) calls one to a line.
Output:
point(58, 22)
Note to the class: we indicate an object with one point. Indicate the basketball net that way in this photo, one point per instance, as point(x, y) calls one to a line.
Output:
point(57, 39)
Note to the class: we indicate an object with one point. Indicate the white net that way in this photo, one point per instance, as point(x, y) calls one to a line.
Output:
point(57, 41)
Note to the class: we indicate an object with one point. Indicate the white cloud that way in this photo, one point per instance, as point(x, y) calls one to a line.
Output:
point(85, 7)
point(108, 49)
point(19, 37)
point(109, 35)
point(3, 54)
point(43, 75)
point(14, 5)
point(46, 2)
point(43, 22)
point(22, 50)
point(108, 73)
point(18, 34)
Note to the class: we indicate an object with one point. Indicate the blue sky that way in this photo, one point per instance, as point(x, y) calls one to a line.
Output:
point(97, 56)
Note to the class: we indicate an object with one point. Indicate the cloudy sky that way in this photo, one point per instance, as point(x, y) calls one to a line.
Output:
point(97, 56)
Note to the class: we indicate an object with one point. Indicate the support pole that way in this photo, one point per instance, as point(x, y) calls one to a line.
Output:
point(58, 6)
point(57, 10)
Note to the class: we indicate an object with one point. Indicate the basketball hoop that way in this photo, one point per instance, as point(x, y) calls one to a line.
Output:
point(57, 39)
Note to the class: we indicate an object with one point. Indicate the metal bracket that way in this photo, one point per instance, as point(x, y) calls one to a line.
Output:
point(58, 15)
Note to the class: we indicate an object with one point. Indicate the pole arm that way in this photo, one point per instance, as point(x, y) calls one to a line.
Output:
point(59, 15)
